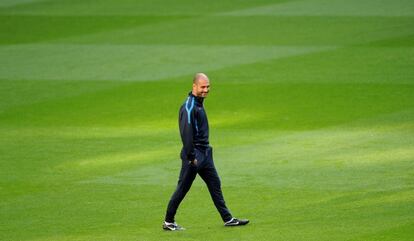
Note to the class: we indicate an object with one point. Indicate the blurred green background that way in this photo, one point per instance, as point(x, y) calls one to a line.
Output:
point(311, 117)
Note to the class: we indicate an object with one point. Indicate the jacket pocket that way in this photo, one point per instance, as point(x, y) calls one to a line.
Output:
point(200, 156)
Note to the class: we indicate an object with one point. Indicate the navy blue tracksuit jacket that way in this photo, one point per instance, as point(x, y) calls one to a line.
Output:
point(193, 126)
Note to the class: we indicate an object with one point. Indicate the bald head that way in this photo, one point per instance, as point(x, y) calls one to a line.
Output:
point(201, 85)
point(200, 76)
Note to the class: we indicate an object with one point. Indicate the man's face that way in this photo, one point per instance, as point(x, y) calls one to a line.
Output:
point(201, 88)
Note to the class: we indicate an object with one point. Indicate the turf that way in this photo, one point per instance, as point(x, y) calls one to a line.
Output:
point(311, 118)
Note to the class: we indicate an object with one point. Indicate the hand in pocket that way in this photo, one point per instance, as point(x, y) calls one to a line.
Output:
point(194, 162)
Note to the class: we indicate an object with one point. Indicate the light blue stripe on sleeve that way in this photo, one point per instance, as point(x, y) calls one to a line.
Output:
point(189, 109)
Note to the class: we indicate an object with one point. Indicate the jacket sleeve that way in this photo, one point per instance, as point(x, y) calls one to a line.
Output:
point(187, 122)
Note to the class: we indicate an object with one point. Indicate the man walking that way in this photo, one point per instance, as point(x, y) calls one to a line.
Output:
point(197, 156)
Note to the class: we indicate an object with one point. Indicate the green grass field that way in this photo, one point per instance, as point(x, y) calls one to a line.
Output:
point(311, 118)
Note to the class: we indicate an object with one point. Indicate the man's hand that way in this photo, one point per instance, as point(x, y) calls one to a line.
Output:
point(194, 162)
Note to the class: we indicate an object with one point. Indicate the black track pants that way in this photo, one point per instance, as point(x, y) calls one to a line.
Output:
point(207, 171)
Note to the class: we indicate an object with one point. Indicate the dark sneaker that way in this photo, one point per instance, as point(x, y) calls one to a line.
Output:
point(236, 222)
point(172, 226)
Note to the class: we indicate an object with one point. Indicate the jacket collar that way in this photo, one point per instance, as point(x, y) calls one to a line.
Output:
point(198, 100)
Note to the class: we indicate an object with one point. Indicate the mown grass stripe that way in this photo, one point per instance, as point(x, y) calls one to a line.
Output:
point(130, 62)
